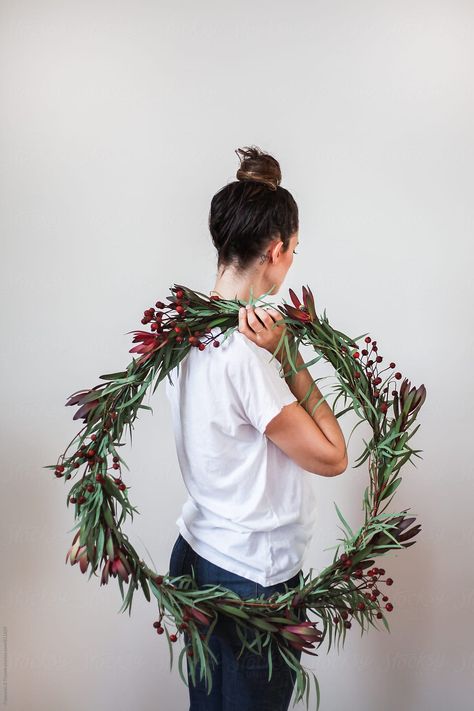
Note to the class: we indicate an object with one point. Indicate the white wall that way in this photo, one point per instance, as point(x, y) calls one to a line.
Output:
point(118, 124)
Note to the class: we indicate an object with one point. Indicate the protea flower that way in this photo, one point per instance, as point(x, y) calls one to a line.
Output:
point(87, 403)
point(401, 532)
point(302, 635)
point(305, 311)
point(117, 565)
point(408, 399)
point(197, 614)
point(149, 344)
point(78, 553)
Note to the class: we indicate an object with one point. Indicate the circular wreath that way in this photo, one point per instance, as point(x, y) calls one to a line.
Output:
point(347, 590)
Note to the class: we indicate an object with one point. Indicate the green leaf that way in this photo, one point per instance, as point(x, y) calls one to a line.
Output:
point(100, 543)
point(270, 662)
point(391, 488)
point(234, 611)
point(113, 376)
point(170, 645)
point(346, 525)
point(264, 625)
point(145, 588)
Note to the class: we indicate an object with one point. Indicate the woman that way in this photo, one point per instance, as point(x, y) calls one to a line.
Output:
point(246, 447)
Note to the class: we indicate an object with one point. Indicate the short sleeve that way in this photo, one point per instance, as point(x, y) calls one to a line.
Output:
point(262, 391)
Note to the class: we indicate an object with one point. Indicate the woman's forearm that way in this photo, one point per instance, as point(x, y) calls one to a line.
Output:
point(299, 384)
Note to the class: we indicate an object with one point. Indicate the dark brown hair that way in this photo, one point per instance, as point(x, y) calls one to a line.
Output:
point(247, 214)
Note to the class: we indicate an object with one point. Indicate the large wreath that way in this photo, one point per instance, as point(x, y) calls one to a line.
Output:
point(347, 590)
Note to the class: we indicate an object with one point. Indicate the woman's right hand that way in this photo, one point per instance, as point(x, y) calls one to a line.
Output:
point(257, 324)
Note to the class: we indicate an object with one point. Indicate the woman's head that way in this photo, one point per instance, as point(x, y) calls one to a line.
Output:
point(253, 221)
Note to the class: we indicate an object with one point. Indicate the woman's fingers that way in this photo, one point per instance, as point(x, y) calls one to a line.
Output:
point(258, 325)
point(243, 323)
point(249, 324)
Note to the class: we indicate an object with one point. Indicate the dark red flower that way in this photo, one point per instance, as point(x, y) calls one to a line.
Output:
point(88, 403)
point(149, 344)
point(305, 311)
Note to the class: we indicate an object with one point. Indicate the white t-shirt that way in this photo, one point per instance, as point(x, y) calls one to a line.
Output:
point(250, 508)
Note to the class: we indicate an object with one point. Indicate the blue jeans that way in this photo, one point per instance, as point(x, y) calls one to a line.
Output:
point(237, 684)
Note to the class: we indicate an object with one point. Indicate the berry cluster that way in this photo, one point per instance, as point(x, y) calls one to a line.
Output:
point(369, 360)
point(87, 455)
point(370, 579)
point(163, 325)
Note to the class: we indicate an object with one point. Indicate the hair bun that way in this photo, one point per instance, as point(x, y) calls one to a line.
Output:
point(257, 165)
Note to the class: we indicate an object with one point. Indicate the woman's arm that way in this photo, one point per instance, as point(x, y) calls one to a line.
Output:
point(299, 384)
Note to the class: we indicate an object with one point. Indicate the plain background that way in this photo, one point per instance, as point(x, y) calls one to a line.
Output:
point(118, 125)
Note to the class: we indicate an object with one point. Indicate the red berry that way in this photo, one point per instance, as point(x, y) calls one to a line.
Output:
point(160, 630)
point(173, 638)
point(347, 624)
point(389, 581)
point(361, 605)
point(379, 614)
point(73, 499)
point(356, 354)
point(398, 376)
point(389, 606)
